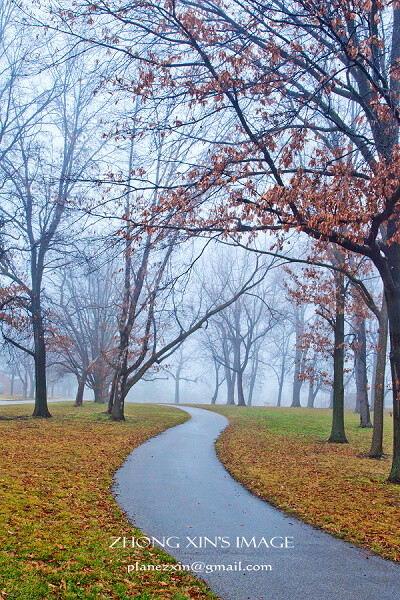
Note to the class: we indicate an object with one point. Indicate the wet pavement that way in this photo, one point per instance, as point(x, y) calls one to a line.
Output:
point(174, 488)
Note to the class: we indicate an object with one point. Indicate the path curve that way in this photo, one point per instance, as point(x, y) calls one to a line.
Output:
point(173, 486)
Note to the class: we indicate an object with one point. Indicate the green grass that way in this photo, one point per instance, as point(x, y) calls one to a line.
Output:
point(58, 516)
point(282, 455)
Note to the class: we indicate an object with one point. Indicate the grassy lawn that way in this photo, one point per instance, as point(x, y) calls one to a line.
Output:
point(58, 515)
point(282, 456)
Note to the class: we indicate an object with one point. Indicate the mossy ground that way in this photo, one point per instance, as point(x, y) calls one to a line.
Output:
point(282, 455)
point(58, 516)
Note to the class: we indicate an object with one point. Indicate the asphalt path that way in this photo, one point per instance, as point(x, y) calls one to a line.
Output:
point(174, 488)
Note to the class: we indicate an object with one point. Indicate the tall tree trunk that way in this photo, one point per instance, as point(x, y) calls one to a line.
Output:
point(118, 407)
point(12, 384)
point(312, 392)
point(373, 386)
point(251, 390)
point(81, 388)
point(230, 385)
point(241, 400)
point(392, 294)
point(177, 386)
point(120, 388)
point(99, 389)
point(238, 372)
point(215, 395)
point(253, 377)
point(338, 435)
point(331, 399)
point(112, 394)
point(281, 380)
point(279, 401)
point(41, 408)
point(376, 450)
point(31, 384)
point(360, 369)
point(311, 397)
point(357, 408)
point(297, 367)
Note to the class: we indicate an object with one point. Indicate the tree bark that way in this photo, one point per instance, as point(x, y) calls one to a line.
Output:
point(41, 408)
point(177, 386)
point(120, 388)
point(392, 293)
point(216, 389)
point(357, 408)
point(99, 389)
point(376, 450)
point(360, 369)
point(31, 385)
point(24, 381)
point(81, 388)
point(239, 372)
point(241, 400)
point(297, 383)
point(112, 394)
point(312, 392)
point(253, 377)
point(281, 380)
point(230, 386)
point(251, 391)
point(338, 435)
point(374, 368)
point(311, 397)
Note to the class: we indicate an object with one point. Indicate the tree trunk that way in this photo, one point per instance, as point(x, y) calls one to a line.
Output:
point(374, 368)
point(81, 388)
point(12, 384)
point(24, 381)
point(118, 408)
point(230, 385)
point(238, 372)
point(112, 394)
point(360, 369)
point(215, 395)
point(281, 381)
point(357, 408)
point(241, 400)
point(297, 368)
point(376, 450)
point(177, 386)
point(392, 293)
point(251, 391)
point(253, 377)
point(120, 388)
point(31, 385)
point(312, 392)
point(99, 389)
point(41, 408)
point(331, 399)
point(311, 397)
point(338, 435)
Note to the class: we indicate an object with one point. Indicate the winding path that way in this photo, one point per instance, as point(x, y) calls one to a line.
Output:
point(173, 486)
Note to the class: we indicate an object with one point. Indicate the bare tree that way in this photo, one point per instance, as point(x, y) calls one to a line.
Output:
point(86, 325)
point(41, 187)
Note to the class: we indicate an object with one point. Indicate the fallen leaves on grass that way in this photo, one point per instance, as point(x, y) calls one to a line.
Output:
point(282, 456)
point(58, 516)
